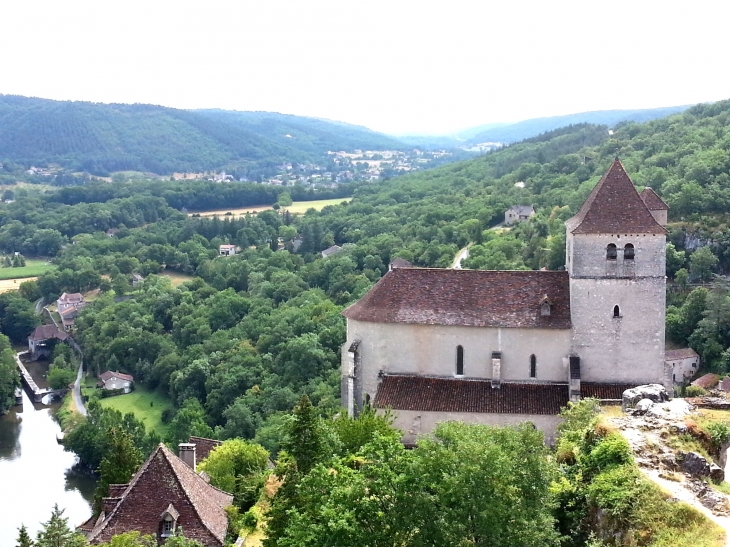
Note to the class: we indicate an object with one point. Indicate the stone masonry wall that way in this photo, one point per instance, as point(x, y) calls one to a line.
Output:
point(430, 350)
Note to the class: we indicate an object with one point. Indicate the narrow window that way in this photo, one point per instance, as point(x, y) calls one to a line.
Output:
point(533, 366)
point(629, 252)
point(168, 527)
point(367, 399)
point(616, 311)
point(459, 361)
point(611, 252)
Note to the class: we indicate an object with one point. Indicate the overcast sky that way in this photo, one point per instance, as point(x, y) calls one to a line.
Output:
point(394, 66)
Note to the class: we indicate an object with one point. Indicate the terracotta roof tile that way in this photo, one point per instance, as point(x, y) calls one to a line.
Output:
point(108, 375)
point(614, 206)
point(652, 201)
point(203, 446)
point(604, 391)
point(460, 395)
point(162, 480)
point(475, 298)
point(71, 298)
point(684, 353)
point(708, 381)
point(45, 332)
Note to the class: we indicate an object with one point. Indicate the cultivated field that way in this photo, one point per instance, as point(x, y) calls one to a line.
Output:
point(297, 208)
point(33, 268)
point(13, 284)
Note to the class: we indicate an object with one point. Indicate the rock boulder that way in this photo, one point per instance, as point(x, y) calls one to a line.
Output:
point(654, 392)
point(717, 474)
point(643, 406)
point(695, 464)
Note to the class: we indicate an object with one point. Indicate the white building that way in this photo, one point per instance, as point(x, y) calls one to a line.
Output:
point(227, 250)
point(684, 362)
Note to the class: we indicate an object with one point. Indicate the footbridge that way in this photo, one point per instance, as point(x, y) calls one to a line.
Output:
point(34, 392)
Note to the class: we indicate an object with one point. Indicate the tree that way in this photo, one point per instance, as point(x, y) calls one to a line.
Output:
point(675, 260)
point(60, 378)
point(118, 465)
point(702, 263)
point(56, 533)
point(189, 420)
point(9, 378)
point(306, 443)
point(23, 537)
point(237, 466)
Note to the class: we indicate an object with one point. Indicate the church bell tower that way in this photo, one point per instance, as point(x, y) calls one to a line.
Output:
point(616, 260)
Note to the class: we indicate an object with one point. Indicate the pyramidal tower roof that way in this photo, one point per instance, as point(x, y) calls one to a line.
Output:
point(614, 206)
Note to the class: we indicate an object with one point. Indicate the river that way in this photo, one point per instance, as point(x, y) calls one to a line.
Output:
point(35, 473)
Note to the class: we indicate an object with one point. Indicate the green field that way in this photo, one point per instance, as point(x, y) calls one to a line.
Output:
point(301, 207)
point(33, 268)
point(146, 405)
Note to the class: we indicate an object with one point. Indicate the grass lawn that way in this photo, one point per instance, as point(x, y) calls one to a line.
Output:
point(176, 277)
point(33, 268)
point(297, 208)
point(146, 405)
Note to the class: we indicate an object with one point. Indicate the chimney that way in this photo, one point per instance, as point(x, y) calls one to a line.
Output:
point(186, 452)
point(496, 368)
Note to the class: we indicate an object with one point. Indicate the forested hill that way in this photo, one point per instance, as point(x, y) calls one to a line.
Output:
point(509, 133)
point(102, 138)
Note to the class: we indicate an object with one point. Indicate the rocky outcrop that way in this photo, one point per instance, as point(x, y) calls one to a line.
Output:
point(643, 406)
point(694, 464)
point(654, 392)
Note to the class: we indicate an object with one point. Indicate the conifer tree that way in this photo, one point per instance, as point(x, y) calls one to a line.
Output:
point(56, 533)
point(23, 537)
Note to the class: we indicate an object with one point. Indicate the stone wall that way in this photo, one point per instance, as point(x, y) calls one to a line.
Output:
point(627, 348)
point(430, 350)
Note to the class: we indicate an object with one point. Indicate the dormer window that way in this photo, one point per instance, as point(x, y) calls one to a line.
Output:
point(611, 252)
point(629, 252)
point(545, 306)
point(168, 521)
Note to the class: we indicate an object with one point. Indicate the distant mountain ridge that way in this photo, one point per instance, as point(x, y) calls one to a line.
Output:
point(102, 138)
point(509, 133)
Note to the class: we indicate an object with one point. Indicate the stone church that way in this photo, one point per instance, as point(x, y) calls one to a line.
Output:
point(503, 347)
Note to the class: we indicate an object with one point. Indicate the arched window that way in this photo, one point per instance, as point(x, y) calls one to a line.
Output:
point(629, 252)
point(459, 361)
point(533, 366)
point(367, 399)
point(611, 252)
point(616, 311)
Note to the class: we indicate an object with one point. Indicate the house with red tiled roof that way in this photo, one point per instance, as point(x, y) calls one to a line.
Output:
point(166, 494)
point(116, 380)
point(504, 347)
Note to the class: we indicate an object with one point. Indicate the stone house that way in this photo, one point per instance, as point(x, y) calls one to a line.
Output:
point(227, 250)
point(503, 347)
point(70, 300)
point(116, 380)
point(684, 362)
point(137, 280)
point(165, 494)
point(40, 342)
point(518, 213)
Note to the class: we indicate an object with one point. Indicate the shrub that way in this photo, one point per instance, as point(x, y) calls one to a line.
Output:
point(719, 433)
point(694, 391)
point(612, 451)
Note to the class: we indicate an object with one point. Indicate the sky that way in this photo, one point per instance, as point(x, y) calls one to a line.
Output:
point(396, 66)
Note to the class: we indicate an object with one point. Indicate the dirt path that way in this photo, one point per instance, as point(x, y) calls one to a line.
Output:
point(461, 255)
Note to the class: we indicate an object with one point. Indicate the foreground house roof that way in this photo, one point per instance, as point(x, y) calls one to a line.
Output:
point(162, 481)
point(614, 206)
point(203, 446)
point(708, 381)
point(45, 332)
point(474, 298)
point(458, 395)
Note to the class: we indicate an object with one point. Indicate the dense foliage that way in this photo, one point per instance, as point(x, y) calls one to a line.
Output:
point(102, 138)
